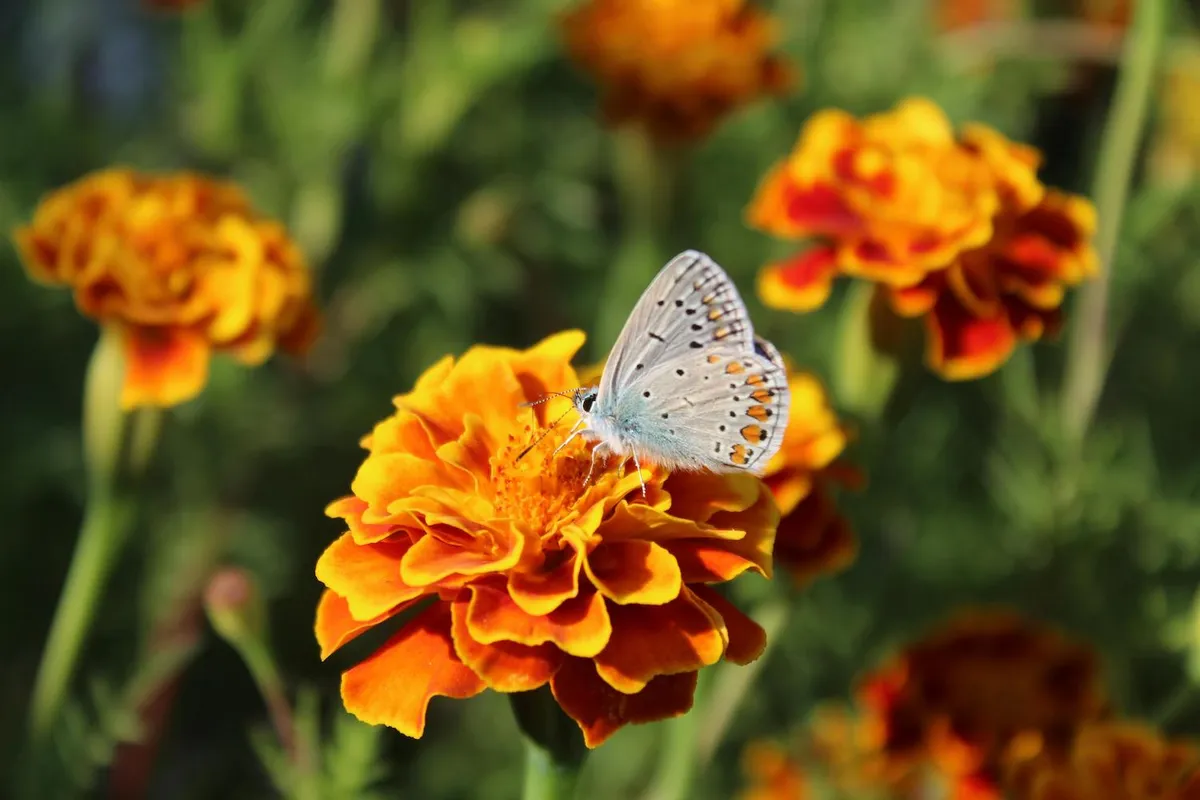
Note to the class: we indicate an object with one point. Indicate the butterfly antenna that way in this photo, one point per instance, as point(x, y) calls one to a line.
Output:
point(535, 442)
point(546, 397)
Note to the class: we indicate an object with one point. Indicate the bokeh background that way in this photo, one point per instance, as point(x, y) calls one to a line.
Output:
point(446, 171)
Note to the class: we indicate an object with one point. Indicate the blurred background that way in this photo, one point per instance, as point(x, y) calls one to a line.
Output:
point(446, 170)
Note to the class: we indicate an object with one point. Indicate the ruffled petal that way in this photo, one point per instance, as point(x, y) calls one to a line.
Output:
point(163, 366)
point(634, 572)
point(504, 666)
point(366, 575)
point(394, 686)
point(580, 626)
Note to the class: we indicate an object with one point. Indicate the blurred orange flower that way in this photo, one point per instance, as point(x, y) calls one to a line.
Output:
point(954, 14)
point(182, 266)
point(676, 66)
point(772, 773)
point(1110, 761)
point(813, 537)
point(961, 697)
point(956, 229)
point(531, 577)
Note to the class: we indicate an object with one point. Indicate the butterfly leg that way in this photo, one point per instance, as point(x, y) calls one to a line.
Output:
point(575, 431)
point(638, 464)
point(595, 450)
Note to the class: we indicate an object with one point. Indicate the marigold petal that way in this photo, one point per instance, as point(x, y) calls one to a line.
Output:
point(580, 626)
point(383, 478)
point(705, 561)
point(394, 686)
point(800, 283)
point(600, 711)
point(335, 625)
point(163, 366)
point(747, 639)
point(707, 496)
point(402, 432)
point(681, 636)
point(433, 558)
point(634, 571)
point(961, 346)
point(366, 575)
point(540, 592)
point(504, 666)
point(351, 509)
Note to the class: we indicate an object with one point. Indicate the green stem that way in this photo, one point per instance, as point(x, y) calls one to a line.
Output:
point(116, 449)
point(1089, 350)
point(677, 762)
point(644, 176)
point(554, 749)
point(731, 682)
point(270, 684)
point(545, 778)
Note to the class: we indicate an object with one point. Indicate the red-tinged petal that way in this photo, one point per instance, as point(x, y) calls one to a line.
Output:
point(801, 283)
point(336, 625)
point(702, 496)
point(706, 561)
point(819, 209)
point(367, 575)
point(601, 711)
point(961, 346)
point(394, 686)
point(477, 552)
point(641, 522)
point(914, 301)
point(634, 572)
point(163, 366)
point(539, 593)
point(580, 626)
point(503, 666)
point(681, 636)
point(747, 639)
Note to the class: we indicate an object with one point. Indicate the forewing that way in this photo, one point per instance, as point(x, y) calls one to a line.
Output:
point(690, 307)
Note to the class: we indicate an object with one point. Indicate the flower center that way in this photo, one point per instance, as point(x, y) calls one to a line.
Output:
point(540, 488)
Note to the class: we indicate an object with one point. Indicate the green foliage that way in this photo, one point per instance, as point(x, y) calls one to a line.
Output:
point(442, 166)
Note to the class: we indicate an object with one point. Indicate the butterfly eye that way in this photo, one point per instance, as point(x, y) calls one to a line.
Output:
point(587, 403)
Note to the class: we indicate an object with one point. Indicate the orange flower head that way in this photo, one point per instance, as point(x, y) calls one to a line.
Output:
point(952, 15)
point(813, 537)
point(772, 774)
point(960, 697)
point(524, 575)
point(956, 229)
point(676, 66)
point(1109, 761)
point(181, 266)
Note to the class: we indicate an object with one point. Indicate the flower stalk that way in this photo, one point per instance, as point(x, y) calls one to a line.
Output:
point(1089, 351)
point(554, 750)
point(117, 448)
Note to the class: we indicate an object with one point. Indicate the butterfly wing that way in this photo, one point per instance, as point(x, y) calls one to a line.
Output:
point(689, 385)
point(688, 305)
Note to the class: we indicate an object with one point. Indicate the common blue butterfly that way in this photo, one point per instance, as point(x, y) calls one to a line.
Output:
point(688, 385)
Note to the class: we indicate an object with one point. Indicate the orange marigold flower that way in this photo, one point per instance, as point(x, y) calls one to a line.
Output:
point(813, 538)
point(954, 14)
point(1109, 761)
point(181, 266)
point(956, 229)
point(960, 697)
point(772, 773)
point(527, 576)
point(676, 66)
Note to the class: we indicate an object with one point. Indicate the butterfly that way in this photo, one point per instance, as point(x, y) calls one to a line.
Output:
point(688, 385)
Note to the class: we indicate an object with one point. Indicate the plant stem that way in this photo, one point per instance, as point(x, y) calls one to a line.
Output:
point(644, 177)
point(116, 449)
point(677, 762)
point(1089, 350)
point(545, 778)
point(554, 749)
point(270, 684)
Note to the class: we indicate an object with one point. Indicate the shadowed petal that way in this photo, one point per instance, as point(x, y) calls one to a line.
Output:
point(335, 625)
point(800, 283)
point(394, 686)
point(541, 592)
point(580, 626)
point(601, 710)
point(504, 666)
point(634, 571)
point(747, 639)
point(367, 575)
point(681, 636)
point(476, 552)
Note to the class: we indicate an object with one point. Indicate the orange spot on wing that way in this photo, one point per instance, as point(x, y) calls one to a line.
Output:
point(716, 314)
point(756, 380)
point(753, 433)
point(713, 359)
point(733, 367)
point(763, 396)
point(721, 333)
point(760, 413)
point(739, 455)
